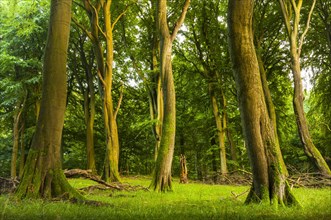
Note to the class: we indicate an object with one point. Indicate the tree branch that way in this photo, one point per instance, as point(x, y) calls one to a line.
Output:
point(119, 101)
point(121, 15)
point(89, 35)
point(307, 27)
point(286, 16)
point(180, 21)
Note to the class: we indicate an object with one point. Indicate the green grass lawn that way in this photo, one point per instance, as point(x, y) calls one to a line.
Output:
point(190, 201)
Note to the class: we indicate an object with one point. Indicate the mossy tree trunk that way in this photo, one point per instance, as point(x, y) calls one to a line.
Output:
point(101, 35)
point(220, 119)
point(43, 176)
point(162, 174)
point(270, 104)
point(269, 180)
point(291, 13)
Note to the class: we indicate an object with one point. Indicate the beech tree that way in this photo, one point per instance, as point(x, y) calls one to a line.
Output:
point(291, 13)
point(43, 176)
point(162, 174)
point(269, 178)
point(100, 33)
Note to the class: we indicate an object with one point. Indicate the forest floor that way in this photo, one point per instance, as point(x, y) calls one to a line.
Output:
point(188, 201)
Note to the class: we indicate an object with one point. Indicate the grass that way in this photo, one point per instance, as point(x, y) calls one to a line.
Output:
point(191, 201)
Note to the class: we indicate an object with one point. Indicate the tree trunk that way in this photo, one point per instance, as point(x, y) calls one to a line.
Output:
point(156, 93)
point(16, 137)
point(270, 104)
point(311, 151)
point(162, 174)
point(104, 59)
point(183, 170)
point(219, 119)
point(22, 156)
point(89, 107)
point(43, 176)
point(233, 147)
point(89, 121)
point(269, 180)
point(111, 173)
point(296, 43)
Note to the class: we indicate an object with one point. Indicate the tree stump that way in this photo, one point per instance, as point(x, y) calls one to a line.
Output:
point(183, 170)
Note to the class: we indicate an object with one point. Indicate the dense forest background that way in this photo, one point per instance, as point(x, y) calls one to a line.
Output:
point(202, 73)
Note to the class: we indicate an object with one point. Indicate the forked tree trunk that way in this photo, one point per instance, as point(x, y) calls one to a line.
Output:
point(104, 53)
point(162, 174)
point(269, 180)
point(291, 14)
point(43, 176)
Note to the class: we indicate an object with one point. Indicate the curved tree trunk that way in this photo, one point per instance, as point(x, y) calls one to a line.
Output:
point(269, 180)
point(43, 176)
point(162, 174)
point(292, 23)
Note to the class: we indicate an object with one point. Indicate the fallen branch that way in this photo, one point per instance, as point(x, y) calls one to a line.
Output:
point(104, 185)
point(87, 174)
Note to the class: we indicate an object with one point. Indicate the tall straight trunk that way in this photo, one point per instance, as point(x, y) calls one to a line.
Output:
point(89, 108)
point(16, 137)
point(156, 93)
point(22, 156)
point(162, 174)
point(219, 119)
point(269, 180)
point(296, 43)
point(233, 148)
point(43, 176)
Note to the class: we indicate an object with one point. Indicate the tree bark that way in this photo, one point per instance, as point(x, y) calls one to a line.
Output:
point(270, 104)
point(43, 176)
point(183, 169)
point(269, 180)
point(16, 142)
point(220, 126)
point(104, 57)
point(89, 105)
point(22, 156)
point(296, 42)
point(162, 174)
